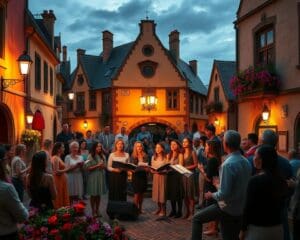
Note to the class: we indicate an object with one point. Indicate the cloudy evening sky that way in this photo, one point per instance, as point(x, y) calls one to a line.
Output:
point(205, 26)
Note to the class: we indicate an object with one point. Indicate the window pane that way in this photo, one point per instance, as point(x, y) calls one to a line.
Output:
point(262, 40)
point(270, 37)
point(270, 55)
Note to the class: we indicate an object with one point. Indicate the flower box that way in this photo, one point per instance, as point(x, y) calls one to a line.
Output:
point(255, 81)
point(30, 137)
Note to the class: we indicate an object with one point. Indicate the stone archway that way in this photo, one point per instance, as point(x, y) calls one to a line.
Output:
point(153, 120)
point(7, 125)
point(297, 134)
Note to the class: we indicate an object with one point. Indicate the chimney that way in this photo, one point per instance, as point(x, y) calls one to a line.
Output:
point(107, 44)
point(174, 44)
point(64, 53)
point(193, 65)
point(147, 26)
point(48, 21)
point(80, 52)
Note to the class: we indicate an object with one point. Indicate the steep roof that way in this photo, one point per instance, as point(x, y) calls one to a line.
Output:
point(100, 74)
point(226, 70)
point(41, 30)
point(194, 82)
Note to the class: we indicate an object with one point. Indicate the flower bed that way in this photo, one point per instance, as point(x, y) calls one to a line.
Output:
point(68, 223)
point(254, 80)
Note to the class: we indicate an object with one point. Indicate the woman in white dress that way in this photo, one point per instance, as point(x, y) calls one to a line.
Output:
point(74, 162)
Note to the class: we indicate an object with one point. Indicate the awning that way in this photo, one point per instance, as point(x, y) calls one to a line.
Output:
point(38, 122)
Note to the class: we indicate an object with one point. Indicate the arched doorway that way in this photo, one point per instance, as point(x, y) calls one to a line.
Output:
point(297, 134)
point(7, 125)
point(157, 130)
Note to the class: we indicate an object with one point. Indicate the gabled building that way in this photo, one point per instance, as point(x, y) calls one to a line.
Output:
point(46, 79)
point(221, 103)
point(12, 45)
point(109, 88)
point(266, 41)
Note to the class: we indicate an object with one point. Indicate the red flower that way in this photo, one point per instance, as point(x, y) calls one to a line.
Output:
point(67, 227)
point(58, 237)
point(118, 230)
point(79, 208)
point(52, 220)
point(66, 217)
point(53, 232)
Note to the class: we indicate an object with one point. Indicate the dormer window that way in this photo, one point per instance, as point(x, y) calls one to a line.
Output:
point(148, 68)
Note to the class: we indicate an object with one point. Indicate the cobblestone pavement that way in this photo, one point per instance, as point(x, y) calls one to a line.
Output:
point(147, 227)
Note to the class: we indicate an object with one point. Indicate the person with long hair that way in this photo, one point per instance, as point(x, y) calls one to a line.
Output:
point(265, 199)
point(117, 187)
point(95, 165)
point(190, 162)
point(210, 173)
point(175, 191)
point(12, 210)
point(84, 152)
point(139, 177)
point(159, 158)
point(60, 177)
point(40, 185)
point(19, 169)
point(74, 162)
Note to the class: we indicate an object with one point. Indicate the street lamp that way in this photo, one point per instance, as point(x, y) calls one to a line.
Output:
point(29, 117)
point(24, 61)
point(85, 124)
point(148, 102)
point(71, 95)
point(265, 113)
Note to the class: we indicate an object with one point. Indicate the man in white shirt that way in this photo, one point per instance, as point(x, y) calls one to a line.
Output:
point(122, 135)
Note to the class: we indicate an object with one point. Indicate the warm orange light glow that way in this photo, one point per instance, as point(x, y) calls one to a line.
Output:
point(148, 102)
point(85, 124)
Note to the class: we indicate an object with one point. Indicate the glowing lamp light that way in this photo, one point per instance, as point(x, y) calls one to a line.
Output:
point(71, 95)
point(217, 122)
point(148, 102)
point(29, 118)
point(85, 124)
point(24, 63)
point(265, 113)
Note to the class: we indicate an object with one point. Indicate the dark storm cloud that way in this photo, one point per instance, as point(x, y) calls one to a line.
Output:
point(202, 25)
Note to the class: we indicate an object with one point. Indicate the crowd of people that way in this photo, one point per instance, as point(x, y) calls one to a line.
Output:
point(241, 186)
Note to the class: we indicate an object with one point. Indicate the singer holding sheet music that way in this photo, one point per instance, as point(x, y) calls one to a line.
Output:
point(175, 191)
point(159, 179)
point(117, 188)
point(139, 176)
